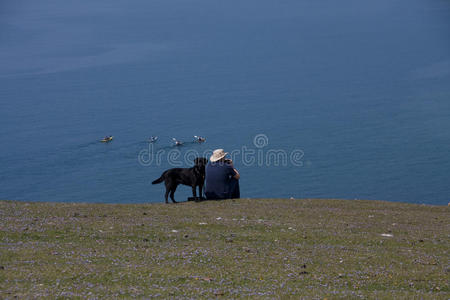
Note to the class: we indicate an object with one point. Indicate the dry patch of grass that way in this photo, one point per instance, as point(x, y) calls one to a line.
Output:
point(236, 248)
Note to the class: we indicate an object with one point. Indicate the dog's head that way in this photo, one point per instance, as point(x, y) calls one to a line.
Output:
point(200, 161)
point(200, 166)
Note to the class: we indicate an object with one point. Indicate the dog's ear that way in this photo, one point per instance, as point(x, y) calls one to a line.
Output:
point(203, 161)
point(200, 161)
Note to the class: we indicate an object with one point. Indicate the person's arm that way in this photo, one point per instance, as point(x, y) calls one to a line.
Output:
point(236, 173)
point(237, 176)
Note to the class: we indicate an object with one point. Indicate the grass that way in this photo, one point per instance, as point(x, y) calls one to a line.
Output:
point(265, 248)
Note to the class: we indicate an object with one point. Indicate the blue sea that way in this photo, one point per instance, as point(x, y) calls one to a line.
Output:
point(316, 99)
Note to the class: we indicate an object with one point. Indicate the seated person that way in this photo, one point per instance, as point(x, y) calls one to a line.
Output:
point(222, 179)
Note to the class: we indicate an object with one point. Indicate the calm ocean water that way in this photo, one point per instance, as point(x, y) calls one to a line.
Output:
point(361, 88)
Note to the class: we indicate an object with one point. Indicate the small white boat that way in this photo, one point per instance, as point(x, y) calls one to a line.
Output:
point(152, 139)
point(199, 139)
point(107, 139)
point(177, 142)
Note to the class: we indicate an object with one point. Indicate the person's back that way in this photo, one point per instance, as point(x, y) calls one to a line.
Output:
point(217, 180)
point(221, 180)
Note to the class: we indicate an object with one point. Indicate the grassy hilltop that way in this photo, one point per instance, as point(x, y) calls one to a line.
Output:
point(236, 248)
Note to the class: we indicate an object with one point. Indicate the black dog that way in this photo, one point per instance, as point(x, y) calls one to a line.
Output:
point(192, 177)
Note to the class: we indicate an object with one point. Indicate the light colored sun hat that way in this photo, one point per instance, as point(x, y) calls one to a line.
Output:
point(218, 154)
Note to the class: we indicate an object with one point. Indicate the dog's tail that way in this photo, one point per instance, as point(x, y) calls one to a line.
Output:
point(159, 180)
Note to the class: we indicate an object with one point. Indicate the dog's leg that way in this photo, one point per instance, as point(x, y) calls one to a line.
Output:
point(194, 191)
point(172, 194)
point(169, 186)
point(167, 196)
point(200, 189)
